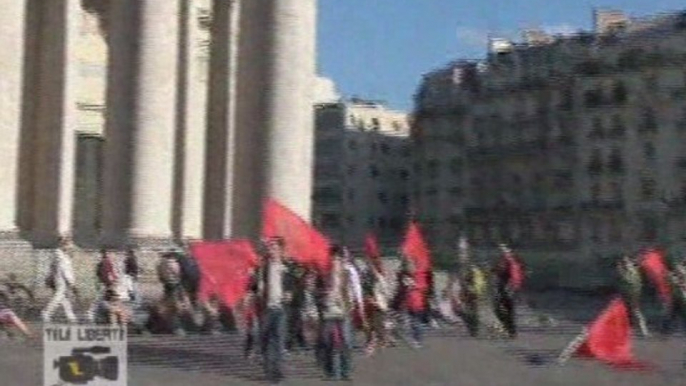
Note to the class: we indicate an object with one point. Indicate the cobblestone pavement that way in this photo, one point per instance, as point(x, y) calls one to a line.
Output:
point(448, 358)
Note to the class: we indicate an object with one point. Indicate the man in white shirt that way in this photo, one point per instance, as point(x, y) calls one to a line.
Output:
point(61, 276)
point(344, 294)
point(275, 293)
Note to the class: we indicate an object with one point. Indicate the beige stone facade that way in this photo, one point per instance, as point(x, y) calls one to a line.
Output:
point(147, 122)
point(362, 162)
point(570, 148)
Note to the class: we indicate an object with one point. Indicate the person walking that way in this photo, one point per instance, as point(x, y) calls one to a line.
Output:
point(631, 288)
point(62, 281)
point(509, 276)
point(106, 275)
point(343, 295)
point(274, 293)
point(677, 307)
point(174, 301)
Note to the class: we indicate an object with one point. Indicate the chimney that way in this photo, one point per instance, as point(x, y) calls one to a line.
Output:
point(609, 20)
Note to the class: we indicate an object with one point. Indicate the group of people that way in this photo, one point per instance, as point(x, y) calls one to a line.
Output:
point(631, 288)
point(291, 306)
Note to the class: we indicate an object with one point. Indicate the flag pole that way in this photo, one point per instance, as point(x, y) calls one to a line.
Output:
point(572, 347)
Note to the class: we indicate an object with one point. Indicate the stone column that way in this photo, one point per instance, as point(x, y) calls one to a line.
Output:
point(221, 123)
point(56, 121)
point(289, 117)
point(12, 25)
point(192, 120)
point(141, 123)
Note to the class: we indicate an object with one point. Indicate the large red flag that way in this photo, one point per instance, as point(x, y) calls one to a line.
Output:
point(225, 268)
point(653, 262)
point(371, 249)
point(609, 338)
point(303, 242)
point(415, 248)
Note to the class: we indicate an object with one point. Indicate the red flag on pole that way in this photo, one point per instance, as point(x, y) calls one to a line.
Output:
point(415, 248)
point(609, 339)
point(304, 243)
point(371, 249)
point(653, 263)
point(225, 268)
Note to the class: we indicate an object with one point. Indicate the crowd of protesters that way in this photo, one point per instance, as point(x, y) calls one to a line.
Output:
point(289, 306)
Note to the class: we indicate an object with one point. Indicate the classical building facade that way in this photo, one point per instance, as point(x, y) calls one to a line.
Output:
point(569, 147)
point(142, 122)
point(362, 162)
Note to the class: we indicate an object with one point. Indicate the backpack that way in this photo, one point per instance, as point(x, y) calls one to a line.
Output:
point(190, 272)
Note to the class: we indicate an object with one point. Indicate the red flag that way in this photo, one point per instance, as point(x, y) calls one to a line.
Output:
point(653, 262)
point(415, 248)
point(303, 242)
point(609, 338)
point(225, 268)
point(516, 271)
point(371, 249)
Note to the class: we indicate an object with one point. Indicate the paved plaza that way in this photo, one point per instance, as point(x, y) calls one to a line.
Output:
point(449, 357)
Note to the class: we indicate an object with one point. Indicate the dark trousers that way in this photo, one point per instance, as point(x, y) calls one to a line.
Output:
point(416, 321)
point(337, 339)
point(505, 312)
point(296, 333)
point(470, 315)
point(676, 311)
point(273, 339)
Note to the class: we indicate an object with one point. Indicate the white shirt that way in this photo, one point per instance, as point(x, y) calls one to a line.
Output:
point(275, 271)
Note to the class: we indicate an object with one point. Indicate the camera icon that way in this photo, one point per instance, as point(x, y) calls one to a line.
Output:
point(81, 368)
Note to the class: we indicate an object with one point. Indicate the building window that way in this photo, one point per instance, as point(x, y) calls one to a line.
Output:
point(383, 197)
point(456, 192)
point(403, 199)
point(649, 151)
point(350, 219)
point(597, 130)
point(616, 163)
point(618, 129)
point(595, 165)
point(404, 174)
point(351, 195)
point(593, 98)
point(396, 126)
point(647, 188)
point(374, 171)
point(619, 93)
point(649, 121)
point(376, 125)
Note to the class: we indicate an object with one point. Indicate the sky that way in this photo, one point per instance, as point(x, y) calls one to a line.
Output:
point(379, 49)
